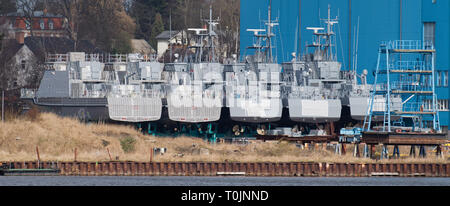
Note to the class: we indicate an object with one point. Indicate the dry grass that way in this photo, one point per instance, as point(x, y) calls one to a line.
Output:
point(57, 138)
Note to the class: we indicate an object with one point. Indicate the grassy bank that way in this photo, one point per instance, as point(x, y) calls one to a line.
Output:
point(57, 138)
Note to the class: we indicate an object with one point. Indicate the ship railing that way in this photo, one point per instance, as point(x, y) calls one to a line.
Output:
point(130, 93)
point(113, 58)
point(361, 92)
point(315, 96)
point(94, 58)
point(417, 107)
point(94, 94)
point(27, 93)
point(409, 45)
point(149, 58)
point(410, 66)
point(410, 86)
point(56, 58)
point(379, 87)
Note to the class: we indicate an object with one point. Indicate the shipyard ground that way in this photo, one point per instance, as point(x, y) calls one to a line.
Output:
point(51, 138)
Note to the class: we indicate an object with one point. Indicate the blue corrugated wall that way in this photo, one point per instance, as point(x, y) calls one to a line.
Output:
point(380, 20)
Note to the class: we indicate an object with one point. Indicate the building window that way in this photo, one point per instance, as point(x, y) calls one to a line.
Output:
point(426, 82)
point(27, 24)
point(42, 24)
point(438, 79)
point(50, 24)
point(442, 105)
point(23, 64)
point(427, 105)
point(429, 31)
point(445, 78)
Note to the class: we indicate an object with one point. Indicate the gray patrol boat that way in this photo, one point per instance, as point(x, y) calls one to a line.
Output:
point(196, 84)
point(253, 88)
point(74, 84)
point(315, 93)
point(137, 96)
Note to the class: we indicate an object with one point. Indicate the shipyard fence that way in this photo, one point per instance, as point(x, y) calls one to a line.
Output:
point(300, 169)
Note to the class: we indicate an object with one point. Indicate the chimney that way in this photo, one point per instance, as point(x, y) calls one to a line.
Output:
point(20, 37)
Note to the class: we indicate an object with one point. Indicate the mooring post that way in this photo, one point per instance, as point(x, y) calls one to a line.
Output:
point(356, 150)
point(38, 157)
point(422, 152)
point(3, 105)
point(366, 152)
point(396, 152)
point(337, 149)
point(151, 154)
point(384, 152)
point(412, 151)
point(439, 152)
point(109, 154)
point(343, 148)
point(75, 155)
point(372, 151)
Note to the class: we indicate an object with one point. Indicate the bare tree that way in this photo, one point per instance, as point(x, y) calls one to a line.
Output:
point(72, 11)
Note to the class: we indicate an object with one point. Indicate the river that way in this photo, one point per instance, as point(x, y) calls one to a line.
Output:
point(217, 181)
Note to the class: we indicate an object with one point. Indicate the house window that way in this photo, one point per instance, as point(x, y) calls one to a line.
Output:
point(42, 24)
point(50, 24)
point(27, 24)
point(429, 31)
point(23, 64)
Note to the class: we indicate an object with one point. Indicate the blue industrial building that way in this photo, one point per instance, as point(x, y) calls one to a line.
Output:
point(379, 20)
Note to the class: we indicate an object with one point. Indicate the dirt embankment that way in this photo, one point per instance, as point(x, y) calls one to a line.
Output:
point(57, 139)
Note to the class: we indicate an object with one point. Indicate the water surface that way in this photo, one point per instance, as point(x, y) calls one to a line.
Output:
point(218, 181)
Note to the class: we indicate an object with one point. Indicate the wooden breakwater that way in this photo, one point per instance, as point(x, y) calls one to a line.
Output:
point(302, 169)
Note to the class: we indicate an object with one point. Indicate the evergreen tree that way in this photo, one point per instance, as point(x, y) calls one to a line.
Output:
point(1, 41)
point(157, 28)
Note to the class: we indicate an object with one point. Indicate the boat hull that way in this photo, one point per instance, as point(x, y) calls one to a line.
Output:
point(359, 107)
point(314, 111)
point(262, 111)
point(87, 109)
point(134, 109)
point(194, 110)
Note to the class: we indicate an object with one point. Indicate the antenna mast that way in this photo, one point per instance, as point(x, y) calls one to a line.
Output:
point(269, 32)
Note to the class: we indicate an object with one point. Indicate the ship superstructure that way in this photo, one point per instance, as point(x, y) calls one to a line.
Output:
point(253, 87)
point(315, 92)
